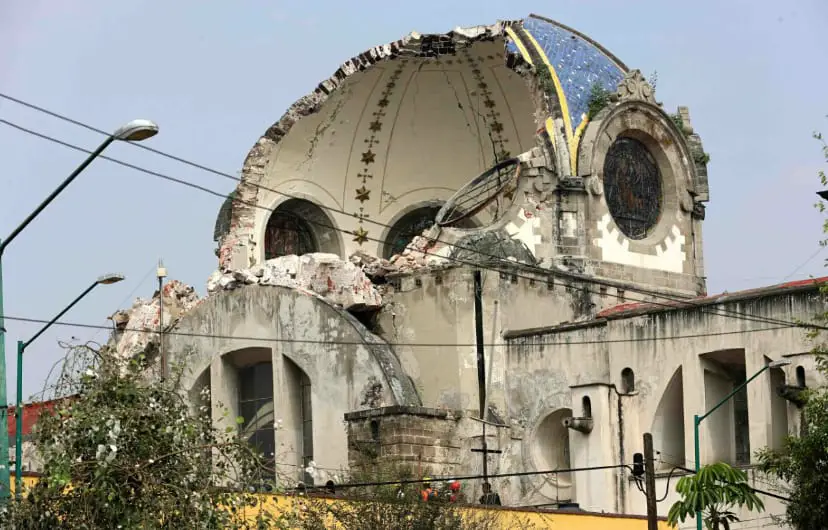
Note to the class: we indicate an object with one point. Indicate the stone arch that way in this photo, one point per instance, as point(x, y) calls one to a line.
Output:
point(327, 343)
point(668, 423)
point(649, 125)
point(550, 446)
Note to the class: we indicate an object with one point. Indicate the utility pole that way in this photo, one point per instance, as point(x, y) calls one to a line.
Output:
point(481, 371)
point(161, 273)
point(649, 482)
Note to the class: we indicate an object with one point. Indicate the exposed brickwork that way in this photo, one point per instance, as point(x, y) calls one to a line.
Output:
point(424, 437)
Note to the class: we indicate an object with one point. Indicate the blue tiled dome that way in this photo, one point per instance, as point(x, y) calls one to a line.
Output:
point(576, 63)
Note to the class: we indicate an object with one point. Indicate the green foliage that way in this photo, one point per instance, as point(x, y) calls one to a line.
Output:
point(126, 452)
point(544, 77)
point(714, 491)
point(701, 158)
point(676, 118)
point(599, 97)
point(802, 462)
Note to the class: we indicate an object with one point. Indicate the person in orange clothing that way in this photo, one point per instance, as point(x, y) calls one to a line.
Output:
point(428, 493)
point(454, 491)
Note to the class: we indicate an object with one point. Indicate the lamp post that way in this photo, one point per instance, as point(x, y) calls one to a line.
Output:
point(107, 279)
point(134, 131)
point(698, 419)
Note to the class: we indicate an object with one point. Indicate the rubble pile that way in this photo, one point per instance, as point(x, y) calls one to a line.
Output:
point(342, 282)
point(421, 252)
point(134, 326)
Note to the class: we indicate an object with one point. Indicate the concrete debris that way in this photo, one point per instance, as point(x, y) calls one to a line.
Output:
point(422, 252)
point(134, 326)
point(342, 282)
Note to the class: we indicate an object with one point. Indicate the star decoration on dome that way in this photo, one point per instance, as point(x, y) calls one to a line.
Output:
point(376, 126)
point(368, 157)
point(363, 194)
point(360, 235)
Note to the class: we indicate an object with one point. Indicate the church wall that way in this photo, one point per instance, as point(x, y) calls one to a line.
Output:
point(436, 308)
point(660, 347)
point(348, 367)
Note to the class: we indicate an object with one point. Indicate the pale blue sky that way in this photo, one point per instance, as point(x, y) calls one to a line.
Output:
point(215, 75)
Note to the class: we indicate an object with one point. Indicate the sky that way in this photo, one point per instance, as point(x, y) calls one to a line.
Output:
point(215, 75)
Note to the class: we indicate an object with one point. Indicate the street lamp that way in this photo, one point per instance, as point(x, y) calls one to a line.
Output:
point(107, 279)
point(133, 131)
point(698, 419)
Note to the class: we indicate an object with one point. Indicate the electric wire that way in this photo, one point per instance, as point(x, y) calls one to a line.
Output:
point(399, 344)
point(541, 270)
point(451, 478)
point(512, 265)
point(679, 303)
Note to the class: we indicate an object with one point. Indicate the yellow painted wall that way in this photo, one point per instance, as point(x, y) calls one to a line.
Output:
point(507, 519)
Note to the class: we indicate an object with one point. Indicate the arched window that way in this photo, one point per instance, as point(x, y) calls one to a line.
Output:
point(375, 430)
point(627, 380)
point(411, 225)
point(256, 407)
point(287, 234)
point(800, 376)
point(632, 187)
point(587, 406)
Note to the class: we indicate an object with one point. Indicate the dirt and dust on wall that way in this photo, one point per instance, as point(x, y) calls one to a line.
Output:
point(355, 284)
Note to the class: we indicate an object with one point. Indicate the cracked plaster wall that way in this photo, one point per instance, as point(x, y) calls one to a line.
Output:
point(555, 368)
point(342, 359)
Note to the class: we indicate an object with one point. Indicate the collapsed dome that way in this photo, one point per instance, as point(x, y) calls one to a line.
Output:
point(397, 130)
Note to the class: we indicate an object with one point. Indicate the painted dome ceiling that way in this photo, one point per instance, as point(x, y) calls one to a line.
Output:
point(403, 126)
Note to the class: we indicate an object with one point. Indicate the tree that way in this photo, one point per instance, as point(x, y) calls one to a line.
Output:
point(801, 465)
point(127, 452)
point(714, 491)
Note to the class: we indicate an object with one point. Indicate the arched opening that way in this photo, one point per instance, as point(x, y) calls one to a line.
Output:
point(287, 234)
point(411, 225)
point(375, 430)
point(627, 380)
point(299, 227)
point(800, 377)
point(551, 445)
point(300, 416)
point(668, 424)
point(779, 409)
point(256, 408)
point(587, 407)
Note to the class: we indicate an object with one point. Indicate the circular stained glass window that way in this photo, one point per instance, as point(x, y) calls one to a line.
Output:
point(632, 187)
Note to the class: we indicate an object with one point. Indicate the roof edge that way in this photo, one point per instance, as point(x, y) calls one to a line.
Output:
point(587, 38)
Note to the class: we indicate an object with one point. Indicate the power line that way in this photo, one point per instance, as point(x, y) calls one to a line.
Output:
point(546, 272)
point(476, 477)
point(400, 344)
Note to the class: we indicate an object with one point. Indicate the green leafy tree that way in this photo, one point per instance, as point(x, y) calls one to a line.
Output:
point(801, 465)
point(127, 452)
point(714, 491)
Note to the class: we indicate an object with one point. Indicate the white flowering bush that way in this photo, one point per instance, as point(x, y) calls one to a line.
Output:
point(129, 453)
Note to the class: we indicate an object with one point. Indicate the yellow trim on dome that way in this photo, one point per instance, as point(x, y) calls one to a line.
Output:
point(558, 88)
point(523, 51)
point(574, 143)
point(550, 130)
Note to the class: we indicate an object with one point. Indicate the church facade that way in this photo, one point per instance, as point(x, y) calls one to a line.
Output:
point(346, 319)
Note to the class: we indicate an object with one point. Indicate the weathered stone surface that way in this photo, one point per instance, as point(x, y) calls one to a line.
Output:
point(342, 282)
point(133, 327)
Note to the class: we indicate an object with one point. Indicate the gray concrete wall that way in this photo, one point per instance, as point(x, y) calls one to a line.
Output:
point(344, 362)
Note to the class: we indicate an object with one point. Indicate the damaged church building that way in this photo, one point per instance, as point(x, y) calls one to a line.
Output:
point(341, 323)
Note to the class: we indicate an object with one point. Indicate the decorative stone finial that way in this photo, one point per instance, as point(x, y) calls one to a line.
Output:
point(635, 87)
